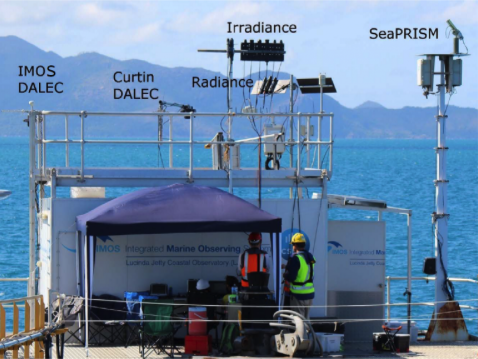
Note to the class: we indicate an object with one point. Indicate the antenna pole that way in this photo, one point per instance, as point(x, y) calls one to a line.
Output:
point(291, 126)
point(230, 56)
point(441, 216)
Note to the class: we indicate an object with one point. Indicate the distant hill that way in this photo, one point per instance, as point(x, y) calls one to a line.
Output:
point(88, 85)
point(369, 104)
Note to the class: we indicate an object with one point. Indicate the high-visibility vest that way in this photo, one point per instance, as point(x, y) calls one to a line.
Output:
point(304, 283)
point(253, 262)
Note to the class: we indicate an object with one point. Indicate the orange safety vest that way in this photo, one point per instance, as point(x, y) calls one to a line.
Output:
point(252, 262)
point(286, 286)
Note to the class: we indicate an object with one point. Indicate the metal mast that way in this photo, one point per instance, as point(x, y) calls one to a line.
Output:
point(450, 75)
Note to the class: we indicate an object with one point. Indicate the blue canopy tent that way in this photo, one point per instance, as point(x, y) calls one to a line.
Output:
point(178, 208)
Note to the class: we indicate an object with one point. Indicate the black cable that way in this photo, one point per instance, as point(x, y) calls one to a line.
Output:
point(447, 285)
point(463, 40)
point(298, 200)
point(449, 98)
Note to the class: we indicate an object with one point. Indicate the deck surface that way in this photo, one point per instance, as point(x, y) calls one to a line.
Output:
point(461, 350)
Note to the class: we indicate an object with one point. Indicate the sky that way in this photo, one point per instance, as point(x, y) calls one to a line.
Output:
point(332, 37)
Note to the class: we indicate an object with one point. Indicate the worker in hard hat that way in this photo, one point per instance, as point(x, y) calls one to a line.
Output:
point(253, 259)
point(299, 272)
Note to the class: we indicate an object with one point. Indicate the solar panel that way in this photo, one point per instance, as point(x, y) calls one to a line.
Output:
point(281, 87)
point(311, 85)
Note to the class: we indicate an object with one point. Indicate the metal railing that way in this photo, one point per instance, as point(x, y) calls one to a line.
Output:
point(40, 141)
point(34, 313)
point(389, 279)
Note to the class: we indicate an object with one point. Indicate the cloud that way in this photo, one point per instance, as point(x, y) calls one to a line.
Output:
point(240, 12)
point(94, 14)
point(462, 13)
point(140, 34)
point(16, 13)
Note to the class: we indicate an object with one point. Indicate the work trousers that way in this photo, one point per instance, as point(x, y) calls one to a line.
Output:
point(301, 306)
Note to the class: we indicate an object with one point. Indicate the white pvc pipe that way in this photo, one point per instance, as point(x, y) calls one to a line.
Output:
point(32, 209)
point(67, 146)
point(82, 173)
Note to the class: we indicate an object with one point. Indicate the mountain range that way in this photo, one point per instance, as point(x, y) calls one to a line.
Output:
point(88, 85)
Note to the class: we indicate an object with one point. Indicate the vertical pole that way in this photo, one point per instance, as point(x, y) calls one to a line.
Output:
point(171, 141)
point(67, 145)
point(43, 145)
point(319, 138)
point(321, 99)
point(15, 329)
point(26, 347)
point(87, 296)
point(441, 225)
point(388, 299)
point(291, 122)
point(380, 215)
point(32, 208)
point(82, 174)
point(230, 54)
point(2, 322)
point(308, 139)
point(291, 128)
point(331, 144)
point(191, 149)
point(409, 270)
point(298, 145)
point(37, 137)
point(53, 184)
point(36, 344)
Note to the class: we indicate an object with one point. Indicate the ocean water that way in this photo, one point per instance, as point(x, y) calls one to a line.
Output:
point(398, 171)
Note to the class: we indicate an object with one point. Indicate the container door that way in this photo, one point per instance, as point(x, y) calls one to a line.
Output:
point(356, 275)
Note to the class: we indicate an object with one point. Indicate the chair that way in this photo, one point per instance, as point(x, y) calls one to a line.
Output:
point(390, 333)
point(157, 331)
point(133, 324)
point(108, 316)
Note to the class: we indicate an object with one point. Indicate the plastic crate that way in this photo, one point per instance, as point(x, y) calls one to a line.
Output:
point(330, 342)
point(197, 345)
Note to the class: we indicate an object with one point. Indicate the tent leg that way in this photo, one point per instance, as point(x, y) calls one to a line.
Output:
point(277, 271)
point(87, 296)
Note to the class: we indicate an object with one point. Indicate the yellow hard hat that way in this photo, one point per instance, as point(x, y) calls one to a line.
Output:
point(298, 238)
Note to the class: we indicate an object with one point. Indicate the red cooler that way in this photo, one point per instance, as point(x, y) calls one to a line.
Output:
point(198, 321)
point(196, 345)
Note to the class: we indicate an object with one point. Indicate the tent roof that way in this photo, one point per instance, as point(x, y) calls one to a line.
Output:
point(178, 208)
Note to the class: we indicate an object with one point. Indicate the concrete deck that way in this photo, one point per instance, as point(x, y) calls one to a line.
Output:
point(422, 350)
point(461, 350)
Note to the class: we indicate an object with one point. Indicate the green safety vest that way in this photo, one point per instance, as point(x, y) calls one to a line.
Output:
point(304, 284)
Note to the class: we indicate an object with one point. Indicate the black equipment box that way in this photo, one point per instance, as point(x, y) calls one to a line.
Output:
point(380, 341)
point(261, 310)
point(430, 266)
point(262, 51)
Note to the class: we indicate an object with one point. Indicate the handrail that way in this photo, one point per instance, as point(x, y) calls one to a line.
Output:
point(14, 279)
point(39, 143)
point(389, 279)
point(29, 335)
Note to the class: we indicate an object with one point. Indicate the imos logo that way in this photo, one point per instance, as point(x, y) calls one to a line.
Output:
point(107, 248)
point(335, 247)
point(101, 248)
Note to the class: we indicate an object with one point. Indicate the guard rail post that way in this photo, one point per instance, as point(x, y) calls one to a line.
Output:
point(388, 298)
